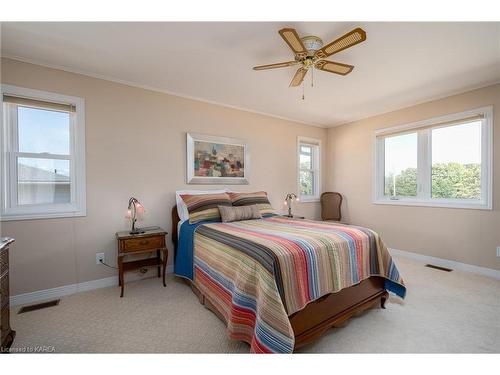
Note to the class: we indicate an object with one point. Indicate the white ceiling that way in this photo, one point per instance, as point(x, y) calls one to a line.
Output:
point(399, 65)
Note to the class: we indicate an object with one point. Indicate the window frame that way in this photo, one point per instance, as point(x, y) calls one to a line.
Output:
point(316, 168)
point(9, 209)
point(424, 162)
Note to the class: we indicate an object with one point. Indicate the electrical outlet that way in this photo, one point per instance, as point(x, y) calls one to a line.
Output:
point(99, 257)
point(498, 251)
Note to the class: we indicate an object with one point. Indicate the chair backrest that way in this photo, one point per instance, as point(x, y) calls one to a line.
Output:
point(330, 206)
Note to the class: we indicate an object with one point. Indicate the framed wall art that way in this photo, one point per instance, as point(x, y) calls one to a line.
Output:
point(217, 160)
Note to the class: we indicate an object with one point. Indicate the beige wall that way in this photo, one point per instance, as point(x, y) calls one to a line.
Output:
point(135, 146)
point(468, 236)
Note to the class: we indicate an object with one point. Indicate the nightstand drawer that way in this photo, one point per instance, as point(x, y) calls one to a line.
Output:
point(138, 244)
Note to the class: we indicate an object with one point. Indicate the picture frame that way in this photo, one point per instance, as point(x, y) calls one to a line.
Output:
point(217, 160)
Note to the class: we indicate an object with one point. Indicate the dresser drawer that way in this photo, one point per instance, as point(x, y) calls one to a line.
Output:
point(4, 292)
point(4, 261)
point(139, 244)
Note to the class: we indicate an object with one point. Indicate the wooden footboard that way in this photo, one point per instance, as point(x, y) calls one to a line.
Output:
point(336, 308)
point(329, 311)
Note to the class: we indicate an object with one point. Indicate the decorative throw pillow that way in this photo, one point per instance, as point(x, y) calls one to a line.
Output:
point(258, 198)
point(181, 206)
point(229, 214)
point(205, 206)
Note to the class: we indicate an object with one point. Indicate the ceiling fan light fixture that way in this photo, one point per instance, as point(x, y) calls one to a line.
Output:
point(312, 43)
point(309, 54)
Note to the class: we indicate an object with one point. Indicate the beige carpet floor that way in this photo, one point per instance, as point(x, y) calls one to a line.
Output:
point(443, 312)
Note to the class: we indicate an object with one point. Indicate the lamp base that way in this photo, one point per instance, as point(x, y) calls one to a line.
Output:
point(137, 231)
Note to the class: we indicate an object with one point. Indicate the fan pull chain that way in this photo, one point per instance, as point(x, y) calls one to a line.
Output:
point(312, 77)
point(303, 91)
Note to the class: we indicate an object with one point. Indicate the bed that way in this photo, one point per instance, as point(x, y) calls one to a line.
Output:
point(280, 283)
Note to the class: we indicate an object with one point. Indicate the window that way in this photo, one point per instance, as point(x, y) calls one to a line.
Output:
point(43, 157)
point(443, 162)
point(309, 169)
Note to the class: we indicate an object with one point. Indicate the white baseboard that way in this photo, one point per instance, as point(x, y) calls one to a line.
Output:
point(66, 290)
point(448, 263)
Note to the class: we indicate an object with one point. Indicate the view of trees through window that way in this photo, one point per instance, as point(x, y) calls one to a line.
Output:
point(402, 184)
point(455, 180)
point(456, 163)
point(306, 172)
point(449, 180)
point(401, 165)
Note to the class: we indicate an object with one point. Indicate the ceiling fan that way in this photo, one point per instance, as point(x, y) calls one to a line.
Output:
point(309, 52)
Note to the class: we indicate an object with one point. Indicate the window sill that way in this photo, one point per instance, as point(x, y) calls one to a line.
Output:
point(55, 215)
point(308, 199)
point(440, 204)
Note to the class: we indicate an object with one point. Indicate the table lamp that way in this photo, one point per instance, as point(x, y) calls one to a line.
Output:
point(135, 209)
point(288, 201)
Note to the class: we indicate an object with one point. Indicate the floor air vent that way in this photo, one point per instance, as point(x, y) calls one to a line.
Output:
point(39, 306)
point(439, 268)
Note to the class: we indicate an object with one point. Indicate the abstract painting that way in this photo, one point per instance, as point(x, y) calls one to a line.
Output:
point(216, 160)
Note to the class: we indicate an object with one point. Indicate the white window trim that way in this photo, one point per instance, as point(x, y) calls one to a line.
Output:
point(317, 169)
point(424, 152)
point(77, 206)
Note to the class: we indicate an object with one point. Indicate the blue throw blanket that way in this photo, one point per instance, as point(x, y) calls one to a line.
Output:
point(184, 258)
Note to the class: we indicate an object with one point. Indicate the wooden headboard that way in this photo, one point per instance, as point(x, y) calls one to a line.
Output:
point(175, 222)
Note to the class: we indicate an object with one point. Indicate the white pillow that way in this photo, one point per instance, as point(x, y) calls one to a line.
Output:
point(181, 206)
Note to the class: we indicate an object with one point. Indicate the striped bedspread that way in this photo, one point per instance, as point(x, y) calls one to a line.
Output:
point(258, 272)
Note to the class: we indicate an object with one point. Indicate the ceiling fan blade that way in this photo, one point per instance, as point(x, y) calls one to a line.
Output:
point(334, 67)
point(293, 40)
point(277, 65)
point(350, 39)
point(298, 77)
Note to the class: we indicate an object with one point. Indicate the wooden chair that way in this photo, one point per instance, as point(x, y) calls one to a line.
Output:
point(330, 206)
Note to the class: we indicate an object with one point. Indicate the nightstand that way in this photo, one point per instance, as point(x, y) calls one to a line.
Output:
point(294, 216)
point(147, 242)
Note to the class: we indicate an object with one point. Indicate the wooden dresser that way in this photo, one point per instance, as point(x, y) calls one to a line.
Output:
point(7, 334)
